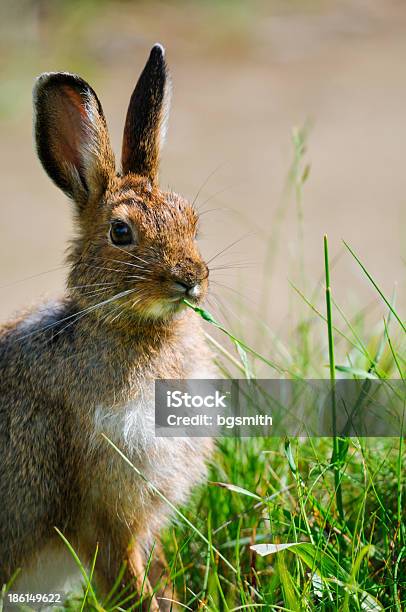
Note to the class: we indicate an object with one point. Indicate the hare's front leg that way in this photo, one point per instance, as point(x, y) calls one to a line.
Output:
point(137, 569)
point(155, 586)
point(114, 552)
point(159, 577)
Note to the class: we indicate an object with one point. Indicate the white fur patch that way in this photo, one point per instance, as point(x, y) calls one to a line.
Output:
point(52, 571)
point(47, 314)
point(131, 424)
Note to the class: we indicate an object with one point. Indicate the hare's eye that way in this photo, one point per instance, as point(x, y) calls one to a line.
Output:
point(120, 233)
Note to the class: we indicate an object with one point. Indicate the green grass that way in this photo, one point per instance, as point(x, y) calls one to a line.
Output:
point(292, 524)
point(335, 505)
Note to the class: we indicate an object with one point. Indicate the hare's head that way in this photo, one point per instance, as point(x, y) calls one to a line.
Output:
point(136, 247)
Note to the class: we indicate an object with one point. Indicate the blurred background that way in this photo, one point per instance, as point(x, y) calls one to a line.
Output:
point(252, 81)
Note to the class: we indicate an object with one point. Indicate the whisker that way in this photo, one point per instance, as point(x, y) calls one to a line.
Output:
point(139, 297)
point(228, 247)
point(225, 311)
point(121, 310)
point(85, 350)
point(107, 317)
point(126, 263)
point(204, 212)
point(132, 255)
point(227, 188)
point(92, 308)
point(84, 311)
point(217, 193)
point(206, 180)
point(241, 295)
point(213, 303)
point(90, 285)
point(137, 276)
point(236, 266)
point(82, 263)
point(96, 291)
point(22, 280)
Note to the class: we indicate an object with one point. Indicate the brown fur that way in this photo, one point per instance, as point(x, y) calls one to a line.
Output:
point(71, 370)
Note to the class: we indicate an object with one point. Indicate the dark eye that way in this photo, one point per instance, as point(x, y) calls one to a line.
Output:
point(120, 233)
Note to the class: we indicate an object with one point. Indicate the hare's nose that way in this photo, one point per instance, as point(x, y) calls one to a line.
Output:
point(190, 289)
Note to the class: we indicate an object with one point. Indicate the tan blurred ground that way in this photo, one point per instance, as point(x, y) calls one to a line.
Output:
point(244, 73)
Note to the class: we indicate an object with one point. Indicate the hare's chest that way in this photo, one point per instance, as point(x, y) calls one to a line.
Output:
point(154, 463)
point(122, 480)
point(131, 428)
point(130, 425)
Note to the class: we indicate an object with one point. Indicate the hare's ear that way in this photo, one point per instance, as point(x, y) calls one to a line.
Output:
point(145, 125)
point(71, 135)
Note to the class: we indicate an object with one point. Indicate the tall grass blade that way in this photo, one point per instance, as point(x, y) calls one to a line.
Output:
point(387, 302)
point(339, 450)
point(81, 568)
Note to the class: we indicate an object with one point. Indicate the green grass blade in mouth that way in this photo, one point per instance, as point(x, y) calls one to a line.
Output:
point(239, 343)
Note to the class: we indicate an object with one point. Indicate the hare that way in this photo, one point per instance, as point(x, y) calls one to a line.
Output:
point(85, 364)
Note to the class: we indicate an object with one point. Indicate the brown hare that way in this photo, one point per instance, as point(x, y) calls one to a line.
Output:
point(85, 364)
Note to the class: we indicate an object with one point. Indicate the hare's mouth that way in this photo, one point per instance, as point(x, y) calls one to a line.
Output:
point(164, 308)
point(164, 302)
point(173, 305)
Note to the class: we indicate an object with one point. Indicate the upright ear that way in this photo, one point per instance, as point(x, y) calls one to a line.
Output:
point(71, 135)
point(145, 124)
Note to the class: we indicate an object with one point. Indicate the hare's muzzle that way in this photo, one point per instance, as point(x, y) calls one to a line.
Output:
point(184, 289)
